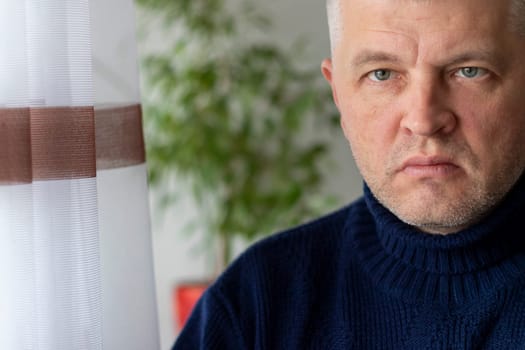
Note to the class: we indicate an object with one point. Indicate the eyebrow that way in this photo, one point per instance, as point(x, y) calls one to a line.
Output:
point(370, 56)
point(490, 56)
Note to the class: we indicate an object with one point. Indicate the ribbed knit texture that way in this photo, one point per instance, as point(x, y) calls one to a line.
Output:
point(361, 279)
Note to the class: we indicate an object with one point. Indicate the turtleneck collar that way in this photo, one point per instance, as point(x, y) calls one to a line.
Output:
point(450, 269)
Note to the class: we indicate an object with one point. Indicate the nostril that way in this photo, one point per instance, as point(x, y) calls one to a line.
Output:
point(428, 121)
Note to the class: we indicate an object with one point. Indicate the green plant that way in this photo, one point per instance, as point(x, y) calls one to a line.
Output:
point(226, 115)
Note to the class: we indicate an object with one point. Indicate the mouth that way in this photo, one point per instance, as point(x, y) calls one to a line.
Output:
point(429, 166)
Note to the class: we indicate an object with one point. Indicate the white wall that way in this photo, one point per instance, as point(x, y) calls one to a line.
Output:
point(175, 257)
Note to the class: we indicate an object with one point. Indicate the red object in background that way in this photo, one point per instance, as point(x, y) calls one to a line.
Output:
point(185, 297)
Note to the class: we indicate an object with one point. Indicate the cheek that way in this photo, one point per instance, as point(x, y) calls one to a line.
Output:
point(506, 139)
point(496, 133)
point(366, 127)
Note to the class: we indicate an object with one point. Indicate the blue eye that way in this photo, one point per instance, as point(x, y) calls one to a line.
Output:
point(380, 75)
point(471, 72)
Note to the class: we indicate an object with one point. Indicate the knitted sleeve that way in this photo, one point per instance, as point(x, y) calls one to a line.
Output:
point(212, 325)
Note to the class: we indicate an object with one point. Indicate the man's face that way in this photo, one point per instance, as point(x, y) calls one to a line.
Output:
point(432, 101)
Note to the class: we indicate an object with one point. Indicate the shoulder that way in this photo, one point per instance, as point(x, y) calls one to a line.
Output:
point(288, 256)
point(268, 286)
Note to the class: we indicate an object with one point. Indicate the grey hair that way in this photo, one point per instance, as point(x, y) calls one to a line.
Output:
point(335, 19)
point(335, 22)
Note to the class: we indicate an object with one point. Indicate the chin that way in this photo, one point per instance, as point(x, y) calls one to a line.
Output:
point(434, 209)
point(442, 215)
point(435, 225)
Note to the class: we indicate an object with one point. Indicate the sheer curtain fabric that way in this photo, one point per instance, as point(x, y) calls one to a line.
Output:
point(76, 267)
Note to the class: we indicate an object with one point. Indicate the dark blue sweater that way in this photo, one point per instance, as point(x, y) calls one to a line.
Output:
point(361, 279)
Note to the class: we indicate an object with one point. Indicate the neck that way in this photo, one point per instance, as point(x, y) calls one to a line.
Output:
point(442, 268)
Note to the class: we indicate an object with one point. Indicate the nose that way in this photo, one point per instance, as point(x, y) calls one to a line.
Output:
point(427, 109)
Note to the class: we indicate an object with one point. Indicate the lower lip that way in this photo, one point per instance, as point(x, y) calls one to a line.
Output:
point(434, 170)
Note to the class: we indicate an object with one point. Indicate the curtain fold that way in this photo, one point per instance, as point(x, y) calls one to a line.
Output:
point(76, 267)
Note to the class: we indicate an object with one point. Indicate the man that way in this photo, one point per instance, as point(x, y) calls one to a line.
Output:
point(431, 97)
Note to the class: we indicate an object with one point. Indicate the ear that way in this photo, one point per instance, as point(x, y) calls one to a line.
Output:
point(328, 69)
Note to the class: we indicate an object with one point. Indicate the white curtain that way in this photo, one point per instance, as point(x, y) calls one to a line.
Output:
point(76, 267)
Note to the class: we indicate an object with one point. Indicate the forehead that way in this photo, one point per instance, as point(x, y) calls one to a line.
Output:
point(427, 25)
point(419, 16)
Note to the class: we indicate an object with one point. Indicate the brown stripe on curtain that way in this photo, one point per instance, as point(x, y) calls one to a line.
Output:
point(120, 141)
point(54, 143)
point(15, 145)
point(62, 143)
point(46, 144)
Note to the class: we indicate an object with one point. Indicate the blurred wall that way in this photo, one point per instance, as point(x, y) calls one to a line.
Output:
point(176, 256)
